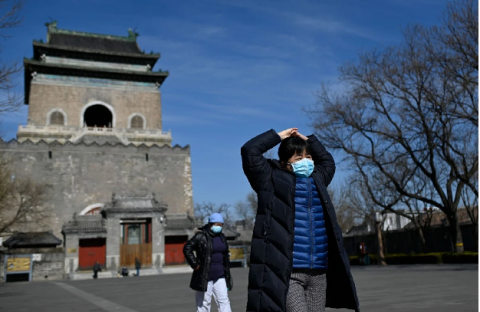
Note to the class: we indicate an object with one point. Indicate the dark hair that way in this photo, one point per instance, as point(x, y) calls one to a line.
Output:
point(292, 146)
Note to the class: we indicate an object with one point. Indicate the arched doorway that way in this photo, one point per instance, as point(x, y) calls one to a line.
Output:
point(98, 116)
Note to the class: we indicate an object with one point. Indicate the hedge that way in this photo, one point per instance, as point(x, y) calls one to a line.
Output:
point(427, 258)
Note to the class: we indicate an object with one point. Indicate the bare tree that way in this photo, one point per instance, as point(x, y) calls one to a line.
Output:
point(244, 212)
point(22, 202)
point(11, 17)
point(383, 195)
point(470, 202)
point(203, 210)
point(360, 202)
point(408, 116)
point(346, 214)
point(252, 200)
point(247, 209)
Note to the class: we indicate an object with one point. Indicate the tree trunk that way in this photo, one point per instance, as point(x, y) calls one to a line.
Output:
point(380, 252)
point(456, 233)
point(475, 231)
point(423, 242)
point(421, 235)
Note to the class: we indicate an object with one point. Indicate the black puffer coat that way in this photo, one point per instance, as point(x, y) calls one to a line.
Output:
point(273, 234)
point(201, 243)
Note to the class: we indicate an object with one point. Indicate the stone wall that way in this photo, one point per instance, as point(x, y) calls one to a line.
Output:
point(50, 266)
point(72, 99)
point(83, 175)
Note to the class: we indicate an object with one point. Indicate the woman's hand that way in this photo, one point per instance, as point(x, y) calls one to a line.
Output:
point(197, 268)
point(287, 133)
point(298, 134)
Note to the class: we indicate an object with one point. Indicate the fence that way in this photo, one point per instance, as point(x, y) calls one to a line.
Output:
point(437, 239)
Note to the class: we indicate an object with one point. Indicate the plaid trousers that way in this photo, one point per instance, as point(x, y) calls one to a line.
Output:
point(307, 291)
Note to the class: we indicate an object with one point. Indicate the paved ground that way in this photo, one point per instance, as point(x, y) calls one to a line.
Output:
point(394, 288)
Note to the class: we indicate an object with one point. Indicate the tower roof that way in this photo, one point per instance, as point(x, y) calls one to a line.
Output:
point(91, 46)
point(92, 41)
point(89, 55)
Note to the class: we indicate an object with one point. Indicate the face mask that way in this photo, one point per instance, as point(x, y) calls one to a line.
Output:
point(216, 229)
point(303, 168)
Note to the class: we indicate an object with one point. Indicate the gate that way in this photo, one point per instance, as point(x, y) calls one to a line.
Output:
point(174, 249)
point(128, 253)
point(90, 251)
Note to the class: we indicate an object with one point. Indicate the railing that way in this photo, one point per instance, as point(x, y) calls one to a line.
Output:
point(77, 132)
point(46, 129)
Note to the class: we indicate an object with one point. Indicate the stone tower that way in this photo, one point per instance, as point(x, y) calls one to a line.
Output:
point(84, 87)
point(118, 188)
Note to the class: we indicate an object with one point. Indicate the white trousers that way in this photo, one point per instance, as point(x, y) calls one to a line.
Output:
point(220, 293)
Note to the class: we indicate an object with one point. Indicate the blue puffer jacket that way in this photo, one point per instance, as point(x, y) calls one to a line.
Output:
point(310, 246)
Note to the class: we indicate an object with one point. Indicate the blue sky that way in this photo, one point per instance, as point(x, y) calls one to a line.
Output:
point(237, 68)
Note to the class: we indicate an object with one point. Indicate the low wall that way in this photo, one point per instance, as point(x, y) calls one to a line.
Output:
point(48, 264)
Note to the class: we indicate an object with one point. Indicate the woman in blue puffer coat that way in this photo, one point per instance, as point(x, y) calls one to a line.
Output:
point(298, 262)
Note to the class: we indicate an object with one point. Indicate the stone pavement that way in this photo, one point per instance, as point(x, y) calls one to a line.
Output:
point(418, 288)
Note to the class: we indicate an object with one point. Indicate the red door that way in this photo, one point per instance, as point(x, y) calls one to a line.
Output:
point(174, 249)
point(91, 250)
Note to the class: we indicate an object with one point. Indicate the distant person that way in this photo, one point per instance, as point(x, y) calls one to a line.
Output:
point(138, 265)
point(124, 271)
point(362, 253)
point(297, 262)
point(207, 253)
point(97, 267)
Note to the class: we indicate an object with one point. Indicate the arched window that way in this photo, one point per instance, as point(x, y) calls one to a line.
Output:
point(56, 118)
point(137, 122)
point(94, 211)
point(91, 210)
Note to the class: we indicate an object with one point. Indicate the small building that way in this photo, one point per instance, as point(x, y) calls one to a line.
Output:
point(124, 229)
point(31, 256)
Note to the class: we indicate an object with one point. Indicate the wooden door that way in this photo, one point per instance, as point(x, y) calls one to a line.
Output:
point(136, 243)
point(128, 253)
point(174, 249)
point(90, 251)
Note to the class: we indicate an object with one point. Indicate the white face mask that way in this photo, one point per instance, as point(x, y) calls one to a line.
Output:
point(216, 229)
point(303, 168)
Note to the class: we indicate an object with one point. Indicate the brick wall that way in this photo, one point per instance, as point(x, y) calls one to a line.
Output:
point(71, 99)
point(83, 175)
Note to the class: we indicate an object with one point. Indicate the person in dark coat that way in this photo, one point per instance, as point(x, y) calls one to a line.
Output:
point(138, 265)
point(208, 254)
point(97, 267)
point(124, 271)
point(297, 262)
